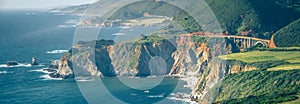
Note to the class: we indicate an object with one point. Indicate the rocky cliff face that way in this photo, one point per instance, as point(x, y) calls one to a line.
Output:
point(132, 59)
point(64, 67)
point(179, 56)
point(208, 83)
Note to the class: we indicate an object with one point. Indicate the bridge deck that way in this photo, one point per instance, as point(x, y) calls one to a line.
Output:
point(229, 36)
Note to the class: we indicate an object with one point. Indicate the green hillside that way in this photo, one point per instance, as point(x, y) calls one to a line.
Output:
point(131, 11)
point(288, 36)
point(260, 87)
point(263, 17)
point(136, 10)
point(260, 16)
point(277, 80)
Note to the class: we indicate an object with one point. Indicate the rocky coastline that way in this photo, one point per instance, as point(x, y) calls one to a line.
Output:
point(109, 59)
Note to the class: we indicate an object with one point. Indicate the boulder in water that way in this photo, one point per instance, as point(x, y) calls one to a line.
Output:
point(12, 63)
point(34, 61)
point(54, 64)
point(50, 70)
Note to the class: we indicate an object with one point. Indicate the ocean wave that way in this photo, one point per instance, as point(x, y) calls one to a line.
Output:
point(190, 82)
point(47, 77)
point(184, 98)
point(41, 71)
point(156, 96)
point(19, 65)
point(30, 13)
point(146, 91)
point(59, 14)
point(83, 79)
point(57, 51)
point(119, 34)
point(5, 72)
point(63, 26)
point(133, 94)
point(71, 22)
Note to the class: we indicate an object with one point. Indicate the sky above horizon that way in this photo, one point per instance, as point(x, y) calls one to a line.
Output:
point(40, 4)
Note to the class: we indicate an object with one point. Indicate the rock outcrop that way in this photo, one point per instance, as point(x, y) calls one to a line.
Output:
point(12, 63)
point(104, 58)
point(34, 61)
point(64, 69)
point(211, 79)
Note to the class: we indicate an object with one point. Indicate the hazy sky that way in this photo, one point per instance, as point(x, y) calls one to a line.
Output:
point(40, 4)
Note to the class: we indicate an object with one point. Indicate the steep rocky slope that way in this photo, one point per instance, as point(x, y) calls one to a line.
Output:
point(217, 70)
point(243, 77)
point(108, 59)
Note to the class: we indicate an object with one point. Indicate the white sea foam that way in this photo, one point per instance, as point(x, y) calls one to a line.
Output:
point(156, 96)
point(119, 34)
point(47, 77)
point(133, 94)
point(4, 72)
point(146, 91)
point(71, 22)
point(57, 51)
point(83, 79)
point(63, 26)
point(59, 14)
point(190, 82)
point(40, 70)
point(184, 98)
point(30, 13)
point(19, 65)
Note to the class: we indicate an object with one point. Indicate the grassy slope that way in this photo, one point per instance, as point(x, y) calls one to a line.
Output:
point(260, 56)
point(260, 87)
point(288, 36)
point(279, 83)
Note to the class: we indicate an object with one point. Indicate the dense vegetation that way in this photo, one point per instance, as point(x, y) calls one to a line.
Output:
point(260, 87)
point(260, 56)
point(96, 43)
point(137, 10)
point(276, 81)
point(188, 23)
point(262, 17)
point(149, 39)
point(278, 49)
point(288, 36)
point(198, 39)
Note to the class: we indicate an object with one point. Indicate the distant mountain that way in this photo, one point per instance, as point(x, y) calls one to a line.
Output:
point(132, 11)
point(79, 9)
point(261, 18)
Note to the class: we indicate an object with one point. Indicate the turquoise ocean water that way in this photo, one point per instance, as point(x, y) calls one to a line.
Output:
point(46, 35)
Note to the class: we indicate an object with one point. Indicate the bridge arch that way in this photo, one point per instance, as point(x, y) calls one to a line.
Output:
point(261, 42)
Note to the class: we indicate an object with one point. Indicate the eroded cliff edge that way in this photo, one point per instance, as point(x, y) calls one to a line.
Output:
point(183, 57)
point(105, 58)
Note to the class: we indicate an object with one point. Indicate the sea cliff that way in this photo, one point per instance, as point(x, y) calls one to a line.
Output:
point(105, 58)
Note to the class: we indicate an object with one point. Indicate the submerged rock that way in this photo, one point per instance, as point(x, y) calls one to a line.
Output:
point(63, 69)
point(12, 63)
point(54, 64)
point(34, 61)
point(50, 70)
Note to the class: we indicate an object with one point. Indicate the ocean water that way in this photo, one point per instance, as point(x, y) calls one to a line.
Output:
point(46, 36)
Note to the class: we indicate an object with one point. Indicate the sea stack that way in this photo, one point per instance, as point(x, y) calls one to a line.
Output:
point(34, 61)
